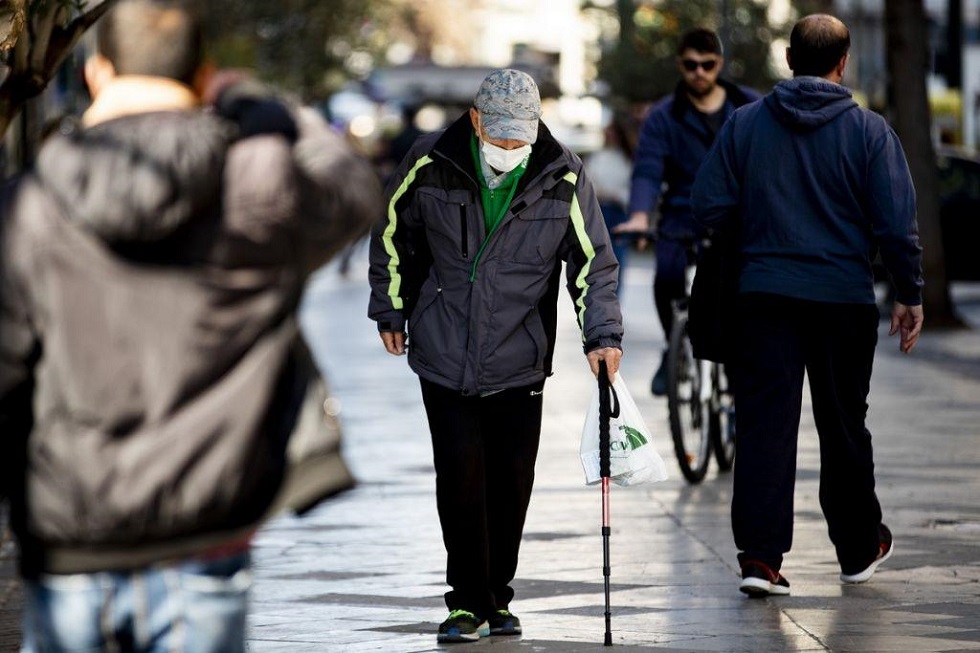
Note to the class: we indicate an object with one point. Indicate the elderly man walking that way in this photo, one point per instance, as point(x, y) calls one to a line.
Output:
point(810, 186)
point(467, 261)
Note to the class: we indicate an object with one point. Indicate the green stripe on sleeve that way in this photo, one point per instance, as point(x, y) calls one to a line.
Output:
point(387, 237)
point(578, 222)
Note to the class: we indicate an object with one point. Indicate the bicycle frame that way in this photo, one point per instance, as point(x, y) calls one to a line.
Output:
point(700, 421)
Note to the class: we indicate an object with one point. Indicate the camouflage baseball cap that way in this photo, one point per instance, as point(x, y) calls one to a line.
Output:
point(509, 105)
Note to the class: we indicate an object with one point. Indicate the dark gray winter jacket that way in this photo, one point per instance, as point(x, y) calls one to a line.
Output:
point(152, 371)
point(482, 318)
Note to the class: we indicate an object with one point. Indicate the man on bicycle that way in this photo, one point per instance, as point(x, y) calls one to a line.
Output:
point(674, 139)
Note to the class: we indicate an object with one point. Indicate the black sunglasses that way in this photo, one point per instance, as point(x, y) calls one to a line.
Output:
point(690, 65)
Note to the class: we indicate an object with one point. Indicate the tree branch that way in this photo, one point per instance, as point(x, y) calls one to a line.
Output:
point(18, 12)
point(41, 30)
point(22, 50)
point(66, 38)
point(87, 19)
point(38, 53)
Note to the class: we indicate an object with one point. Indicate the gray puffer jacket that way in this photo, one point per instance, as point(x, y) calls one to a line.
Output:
point(481, 312)
point(152, 370)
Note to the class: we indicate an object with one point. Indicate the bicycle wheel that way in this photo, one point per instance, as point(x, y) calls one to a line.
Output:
point(722, 420)
point(689, 414)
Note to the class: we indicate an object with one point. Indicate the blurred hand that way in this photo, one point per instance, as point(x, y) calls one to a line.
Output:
point(907, 322)
point(214, 81)
point(254, 107)
point(612, 356)
point(638, 223)
point(394, 342)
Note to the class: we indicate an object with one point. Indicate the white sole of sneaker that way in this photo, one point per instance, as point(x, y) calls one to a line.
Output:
point(865, 576)
point(460, 639)
point(760, 587)
point(504, 632)
point(483, 630)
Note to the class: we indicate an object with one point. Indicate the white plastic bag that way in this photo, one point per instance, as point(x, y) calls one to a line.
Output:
point(632, 458)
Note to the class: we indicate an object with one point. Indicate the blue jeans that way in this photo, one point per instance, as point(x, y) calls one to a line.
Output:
point(669, 280)
point(194, 606)
point(614, 214)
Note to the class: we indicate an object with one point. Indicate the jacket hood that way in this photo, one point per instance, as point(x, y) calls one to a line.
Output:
point(138, 179)
point(805, 103)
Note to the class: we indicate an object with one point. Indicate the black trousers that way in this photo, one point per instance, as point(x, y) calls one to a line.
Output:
point(484, 450)
point(779, 338)
point(668, 281)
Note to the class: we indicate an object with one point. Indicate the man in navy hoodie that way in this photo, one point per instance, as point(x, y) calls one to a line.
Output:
point(810, 186)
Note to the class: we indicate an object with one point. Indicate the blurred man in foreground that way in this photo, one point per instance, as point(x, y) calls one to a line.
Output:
point(152, 372)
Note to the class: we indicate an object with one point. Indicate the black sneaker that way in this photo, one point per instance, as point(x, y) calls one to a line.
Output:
point(658, 384)
point(462, 626)
point(885, 549)
point(503, 622)
point(759, 579)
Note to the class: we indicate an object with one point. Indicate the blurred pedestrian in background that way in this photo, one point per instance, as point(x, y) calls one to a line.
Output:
point(402, 141)
point(673, 141)
point(811, 186)
point(152, 371)
point(610, 169)
point(467, 261)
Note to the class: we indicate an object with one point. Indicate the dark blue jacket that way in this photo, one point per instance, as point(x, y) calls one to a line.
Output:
point(816, 186)
point(673, 142)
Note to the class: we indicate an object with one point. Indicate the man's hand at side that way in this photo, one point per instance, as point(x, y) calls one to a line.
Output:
point(394, 342)
point(907, 322)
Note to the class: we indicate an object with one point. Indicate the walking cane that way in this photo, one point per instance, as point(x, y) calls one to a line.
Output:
point(604, 414)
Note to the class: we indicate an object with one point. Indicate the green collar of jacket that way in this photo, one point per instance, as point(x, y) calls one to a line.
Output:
point(496, 201)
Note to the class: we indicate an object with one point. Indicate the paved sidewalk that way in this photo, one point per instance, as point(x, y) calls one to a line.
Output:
point(10, 591)
point(365, 572)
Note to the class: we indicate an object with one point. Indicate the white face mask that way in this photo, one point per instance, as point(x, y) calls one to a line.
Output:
point(504, 160)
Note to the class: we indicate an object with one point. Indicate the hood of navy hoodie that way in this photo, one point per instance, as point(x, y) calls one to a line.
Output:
point(805, 103)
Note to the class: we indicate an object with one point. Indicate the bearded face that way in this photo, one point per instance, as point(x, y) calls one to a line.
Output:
point(699, 70)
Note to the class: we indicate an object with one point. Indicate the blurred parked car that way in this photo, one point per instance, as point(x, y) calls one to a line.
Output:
point(959, 213)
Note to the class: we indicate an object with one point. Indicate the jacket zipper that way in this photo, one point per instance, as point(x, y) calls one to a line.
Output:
point(464, 234)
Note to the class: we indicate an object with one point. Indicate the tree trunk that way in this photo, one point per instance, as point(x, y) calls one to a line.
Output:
point(10, 139)
point(38, 52)
point(907, 54)
point(954, 44)
point(6, 115)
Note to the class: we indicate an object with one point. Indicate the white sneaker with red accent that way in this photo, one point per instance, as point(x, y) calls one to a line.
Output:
point(759, 579)
point(886, 547)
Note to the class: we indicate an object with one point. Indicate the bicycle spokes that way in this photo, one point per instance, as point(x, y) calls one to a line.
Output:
point(688, 400)
point(701, 406)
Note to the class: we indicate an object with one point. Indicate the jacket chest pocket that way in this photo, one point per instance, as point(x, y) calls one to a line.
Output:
point(451, 222)
point(537, 232)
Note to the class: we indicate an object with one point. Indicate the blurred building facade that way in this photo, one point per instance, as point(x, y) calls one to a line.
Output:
point(444, 61)
point(954, 79)
point(558, 42)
